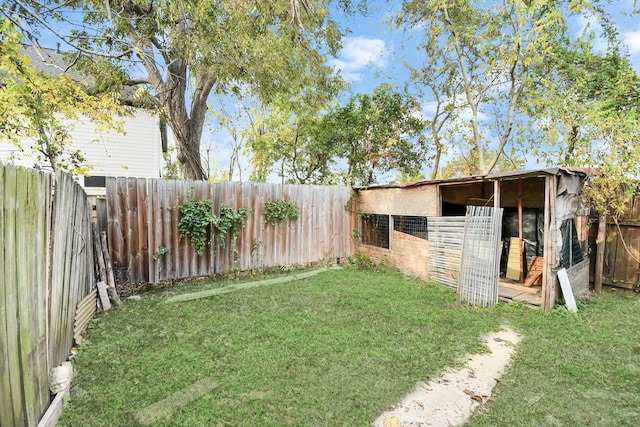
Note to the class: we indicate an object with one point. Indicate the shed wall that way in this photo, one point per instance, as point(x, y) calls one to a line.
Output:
point(407, 253)
point(418, 201)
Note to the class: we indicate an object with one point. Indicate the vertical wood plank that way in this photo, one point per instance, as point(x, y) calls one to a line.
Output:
point(546, 272)
point(166, 261)
point(143, 230)
point(114, 233)
point(61, 222)
point(24, 252)
point(154, 230)
point(133, 245)
point(101, 214)
point(550, 244)
point(6, 410)
point(124, 230)
point(11, 376)
point(65, 258)
point(186, 191)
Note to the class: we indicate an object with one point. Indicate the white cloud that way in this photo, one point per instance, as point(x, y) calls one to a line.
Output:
point(358, 54)
point(632, 40)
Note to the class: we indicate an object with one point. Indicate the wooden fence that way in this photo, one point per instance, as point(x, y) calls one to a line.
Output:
point(145, 244)
point(46, 267)
point(622, 249)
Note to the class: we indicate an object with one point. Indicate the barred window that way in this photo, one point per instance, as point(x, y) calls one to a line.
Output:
point(375, 230)
point(413, 225)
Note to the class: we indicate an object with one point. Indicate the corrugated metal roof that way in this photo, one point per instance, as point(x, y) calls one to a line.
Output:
point(479, 178)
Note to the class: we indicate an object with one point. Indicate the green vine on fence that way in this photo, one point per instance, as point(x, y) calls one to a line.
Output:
point(197, 216)
point(195, 219)
point(279, 210)
point(229, 220)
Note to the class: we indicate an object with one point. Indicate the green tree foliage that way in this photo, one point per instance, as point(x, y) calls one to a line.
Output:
point(595, 122)
point(282, 137)
point(181, 51)
point(37, 110)
point(479, 62)
point(375, 133)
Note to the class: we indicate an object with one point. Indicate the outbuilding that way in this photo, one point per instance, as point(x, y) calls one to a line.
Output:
point(420, 228)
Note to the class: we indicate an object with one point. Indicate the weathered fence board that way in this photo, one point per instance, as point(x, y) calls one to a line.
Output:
point(12, 380)
point(146, 245)
point(45, 268)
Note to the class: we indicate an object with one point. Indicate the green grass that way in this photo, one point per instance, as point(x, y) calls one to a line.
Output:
point(334, 349)
point(572, 369)
point(340, 347)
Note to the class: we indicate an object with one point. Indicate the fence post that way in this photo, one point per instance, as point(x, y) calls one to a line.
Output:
point(601, 240)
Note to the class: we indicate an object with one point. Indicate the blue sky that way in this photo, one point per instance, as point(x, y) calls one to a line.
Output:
point(373, 53)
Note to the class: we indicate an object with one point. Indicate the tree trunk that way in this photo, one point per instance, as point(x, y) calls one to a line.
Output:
point(189, 160)
point(436, 162)
point(185, 123)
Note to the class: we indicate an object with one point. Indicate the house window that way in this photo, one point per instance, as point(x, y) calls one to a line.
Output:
point(413, 225)
point(375, 230)
point(95, 181)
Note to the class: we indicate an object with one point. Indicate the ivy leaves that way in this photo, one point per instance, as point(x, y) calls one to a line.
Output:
point(279, 210)
point(228, 220)
point(197, 216)
point(194, 223)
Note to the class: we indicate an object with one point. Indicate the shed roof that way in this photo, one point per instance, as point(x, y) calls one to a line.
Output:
point(490, 177)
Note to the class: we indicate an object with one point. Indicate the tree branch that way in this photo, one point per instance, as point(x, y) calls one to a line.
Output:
point(64, 39)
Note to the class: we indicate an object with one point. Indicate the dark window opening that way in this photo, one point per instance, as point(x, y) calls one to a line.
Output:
point(452, 209)
point(95, 181)
point(571, 253)
point(375, 230)
point(413, 225)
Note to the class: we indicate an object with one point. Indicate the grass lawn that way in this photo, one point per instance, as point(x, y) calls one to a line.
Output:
point(572, 369)
point(340, 347)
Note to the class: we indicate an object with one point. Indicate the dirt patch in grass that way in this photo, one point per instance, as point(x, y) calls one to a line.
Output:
point(453, 397)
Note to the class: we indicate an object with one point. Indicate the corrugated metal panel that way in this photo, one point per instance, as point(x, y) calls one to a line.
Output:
point(445, 235)
point(480, 260)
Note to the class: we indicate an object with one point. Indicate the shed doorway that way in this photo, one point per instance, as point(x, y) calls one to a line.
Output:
point(522, 240)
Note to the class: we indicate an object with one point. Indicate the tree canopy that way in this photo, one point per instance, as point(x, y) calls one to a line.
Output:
point(480, 67)
point(356, 142)
point(181, 51)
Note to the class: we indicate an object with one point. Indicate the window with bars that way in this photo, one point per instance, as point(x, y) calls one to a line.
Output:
point(413, 225)
point(375, 230)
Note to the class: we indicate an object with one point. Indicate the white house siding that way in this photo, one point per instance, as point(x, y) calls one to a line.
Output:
point(136, 153)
